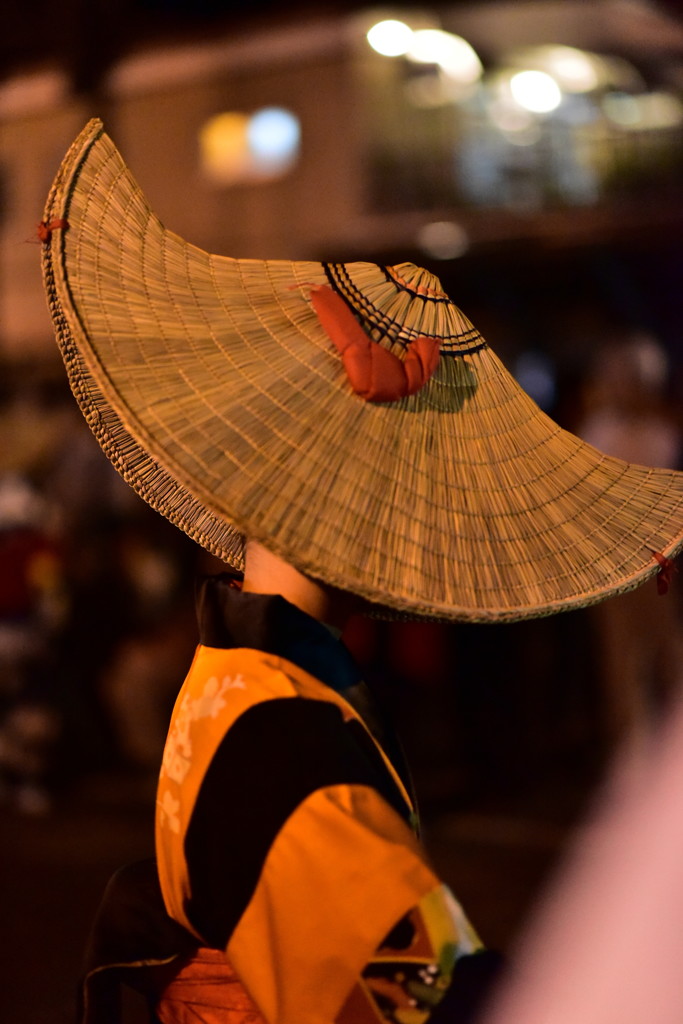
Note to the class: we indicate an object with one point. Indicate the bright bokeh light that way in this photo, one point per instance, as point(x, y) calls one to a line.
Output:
point(654, 110)
point(661, 110)
point(535, 91)
point(573, 69)
point(443, 239)
point(622, 109)
point(391, 38)
point(236, 147)
point(223, 147)
point(273, 135)
point(452, 53)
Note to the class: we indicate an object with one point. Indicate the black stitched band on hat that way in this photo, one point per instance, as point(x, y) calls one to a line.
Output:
point(244, 802)
point(468, 351)
point(457, 344)
point(341, 281)
point(342, 284)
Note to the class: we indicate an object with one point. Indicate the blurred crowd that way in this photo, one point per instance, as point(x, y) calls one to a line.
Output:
point(96, 595)
point(97, 617)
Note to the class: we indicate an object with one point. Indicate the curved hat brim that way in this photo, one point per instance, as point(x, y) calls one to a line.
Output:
point(212, 386)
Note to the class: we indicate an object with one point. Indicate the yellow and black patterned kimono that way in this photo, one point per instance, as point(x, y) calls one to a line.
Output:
point(286, 845)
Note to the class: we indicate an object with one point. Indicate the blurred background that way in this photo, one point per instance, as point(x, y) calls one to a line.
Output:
point(528, 152)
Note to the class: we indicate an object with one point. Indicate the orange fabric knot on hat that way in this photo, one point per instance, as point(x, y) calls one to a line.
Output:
point(666, 572)
point(375, 373)
point(46, 228)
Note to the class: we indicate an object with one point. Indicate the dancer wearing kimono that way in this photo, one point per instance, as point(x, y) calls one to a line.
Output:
point(341, 436)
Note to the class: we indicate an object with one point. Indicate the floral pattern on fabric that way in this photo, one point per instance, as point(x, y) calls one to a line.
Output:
point(209, 704)
point(178, 750)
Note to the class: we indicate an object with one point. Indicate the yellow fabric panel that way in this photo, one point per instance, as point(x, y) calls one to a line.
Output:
point(220, 686)
point(342, 871)
point(449, 930)
point(405, 982)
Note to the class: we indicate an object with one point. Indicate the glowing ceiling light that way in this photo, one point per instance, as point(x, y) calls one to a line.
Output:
point(429, 45)
point(391, 38)
point(575, 70)
point(535, 91)
point(452, 53)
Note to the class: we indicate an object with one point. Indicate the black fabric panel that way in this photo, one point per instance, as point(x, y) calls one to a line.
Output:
point(131, 923)
point(377, 719)
point(474, 980)
point(274, 756)
point(131, 926)
point(267, 622)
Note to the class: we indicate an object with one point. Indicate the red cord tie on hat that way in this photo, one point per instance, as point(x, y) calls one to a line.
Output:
point(375, 373)
point(666, 572)
point(45, 230)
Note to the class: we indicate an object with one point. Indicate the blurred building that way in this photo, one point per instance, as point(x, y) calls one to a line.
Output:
point(452, 134)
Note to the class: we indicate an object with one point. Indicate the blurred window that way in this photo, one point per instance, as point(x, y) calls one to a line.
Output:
point(237, 148)
point(544, 126)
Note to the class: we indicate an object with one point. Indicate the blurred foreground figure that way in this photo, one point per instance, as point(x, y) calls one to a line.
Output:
point(347, 427)
point(606, 945)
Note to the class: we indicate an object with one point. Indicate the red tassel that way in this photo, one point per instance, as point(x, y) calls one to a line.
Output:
point(666, 572)
point(45, 230)
point(374, 372)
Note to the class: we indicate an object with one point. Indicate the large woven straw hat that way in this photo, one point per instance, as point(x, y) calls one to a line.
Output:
point(217, 388)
